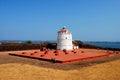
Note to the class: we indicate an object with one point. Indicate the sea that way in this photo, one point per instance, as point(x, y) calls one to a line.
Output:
point(105, 44)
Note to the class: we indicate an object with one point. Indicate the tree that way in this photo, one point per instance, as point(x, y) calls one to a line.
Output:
point(29, 42)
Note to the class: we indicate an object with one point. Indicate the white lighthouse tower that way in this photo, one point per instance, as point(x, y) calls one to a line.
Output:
point(64, 40)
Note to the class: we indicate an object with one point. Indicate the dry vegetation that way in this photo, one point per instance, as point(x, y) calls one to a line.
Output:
point(15, 68)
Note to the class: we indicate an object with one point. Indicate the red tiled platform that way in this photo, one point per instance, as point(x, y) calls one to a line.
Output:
point(62, 56)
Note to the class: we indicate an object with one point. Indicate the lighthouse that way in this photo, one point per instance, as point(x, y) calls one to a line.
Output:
point(64, 39)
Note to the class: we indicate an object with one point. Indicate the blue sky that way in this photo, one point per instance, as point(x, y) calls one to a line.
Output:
point(88, 20)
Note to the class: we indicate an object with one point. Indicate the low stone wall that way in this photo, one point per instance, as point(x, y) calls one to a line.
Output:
point(15, 47)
